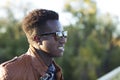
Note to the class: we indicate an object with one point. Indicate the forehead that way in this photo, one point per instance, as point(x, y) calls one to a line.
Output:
point(54, 25)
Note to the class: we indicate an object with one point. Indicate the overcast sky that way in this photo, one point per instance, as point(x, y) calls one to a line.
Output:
point(104, 6)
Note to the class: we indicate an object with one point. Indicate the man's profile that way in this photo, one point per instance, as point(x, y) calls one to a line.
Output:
point(46, 39)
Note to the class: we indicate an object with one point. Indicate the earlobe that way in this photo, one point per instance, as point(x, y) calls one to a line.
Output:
point(36, 38)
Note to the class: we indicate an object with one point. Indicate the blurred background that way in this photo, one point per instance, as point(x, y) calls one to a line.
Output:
point(93, 47)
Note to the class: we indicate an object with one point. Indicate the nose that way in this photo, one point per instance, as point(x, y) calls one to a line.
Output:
point(63, 40)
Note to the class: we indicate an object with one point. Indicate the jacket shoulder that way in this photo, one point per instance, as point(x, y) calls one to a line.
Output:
point(14, 67)
point(9, 61)
point(23, 59)
point(3, 70)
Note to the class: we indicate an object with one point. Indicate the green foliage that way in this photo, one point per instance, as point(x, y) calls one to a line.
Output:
point(91, 49)
point(12, 39)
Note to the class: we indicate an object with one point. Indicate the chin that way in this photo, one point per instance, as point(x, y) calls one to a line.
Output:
point(59, 55)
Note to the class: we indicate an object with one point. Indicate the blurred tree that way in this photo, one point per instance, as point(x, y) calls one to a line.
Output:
point(12, 40)
point(90, 48)
point(91, 51)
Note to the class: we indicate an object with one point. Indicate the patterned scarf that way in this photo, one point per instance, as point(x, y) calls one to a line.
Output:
point(50, 74)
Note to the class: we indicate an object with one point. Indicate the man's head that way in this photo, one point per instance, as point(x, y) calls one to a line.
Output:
point(44, 31)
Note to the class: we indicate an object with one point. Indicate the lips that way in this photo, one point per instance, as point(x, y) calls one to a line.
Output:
point(61, 48)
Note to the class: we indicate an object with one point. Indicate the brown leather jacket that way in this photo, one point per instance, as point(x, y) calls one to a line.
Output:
point(28, 66)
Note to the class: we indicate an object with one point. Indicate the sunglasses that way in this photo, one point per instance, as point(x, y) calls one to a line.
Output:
point(58, 35)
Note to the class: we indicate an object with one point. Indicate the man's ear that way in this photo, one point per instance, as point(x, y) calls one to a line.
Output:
point(37, 38)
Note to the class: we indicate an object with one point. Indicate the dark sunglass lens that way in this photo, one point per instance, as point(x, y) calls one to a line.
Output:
point(59, 34)
point(65, 33)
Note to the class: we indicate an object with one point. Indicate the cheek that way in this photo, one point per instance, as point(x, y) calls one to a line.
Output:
point(48, 46)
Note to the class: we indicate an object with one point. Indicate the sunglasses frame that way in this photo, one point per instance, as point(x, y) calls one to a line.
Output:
point(58, 35)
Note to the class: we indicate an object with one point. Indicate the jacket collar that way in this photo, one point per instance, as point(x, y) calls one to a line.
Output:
point(37, 63)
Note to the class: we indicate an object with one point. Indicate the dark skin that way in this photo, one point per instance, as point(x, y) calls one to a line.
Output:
point(48, 47)
point(47, 60)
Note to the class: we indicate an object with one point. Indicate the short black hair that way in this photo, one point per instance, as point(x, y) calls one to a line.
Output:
point(36, 19)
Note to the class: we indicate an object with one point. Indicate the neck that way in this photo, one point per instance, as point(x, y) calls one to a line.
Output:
point(45, 57)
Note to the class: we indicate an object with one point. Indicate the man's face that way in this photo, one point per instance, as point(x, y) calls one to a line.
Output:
point(52, 44)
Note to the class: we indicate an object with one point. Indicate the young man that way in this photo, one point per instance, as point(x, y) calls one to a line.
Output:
point(46, 38)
